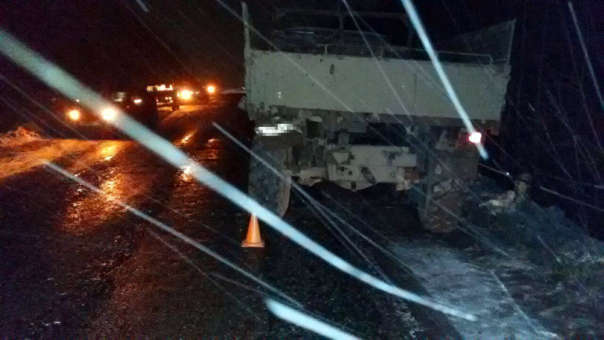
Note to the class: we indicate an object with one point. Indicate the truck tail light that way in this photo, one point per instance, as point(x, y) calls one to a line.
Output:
point(475, 137)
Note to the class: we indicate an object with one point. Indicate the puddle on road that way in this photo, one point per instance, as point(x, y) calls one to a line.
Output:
point(130, 181)
point(109, 151)
point(212, 150)
point(186, 173)
point(214, 142)
point(87, 210)
point(186, 139)
point(104, 151)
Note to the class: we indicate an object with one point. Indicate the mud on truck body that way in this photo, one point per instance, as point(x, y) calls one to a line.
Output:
point(340, 105)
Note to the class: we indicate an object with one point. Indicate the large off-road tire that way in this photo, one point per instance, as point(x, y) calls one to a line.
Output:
point(269, 189)
point(445, 187)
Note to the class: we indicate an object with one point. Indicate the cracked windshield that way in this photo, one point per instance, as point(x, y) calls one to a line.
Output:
point(289, 169)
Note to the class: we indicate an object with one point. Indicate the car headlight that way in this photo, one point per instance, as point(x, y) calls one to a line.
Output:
point(185, 94)
point(137, 101)
point(211, 89)
point(109, 114)
point(74, 114)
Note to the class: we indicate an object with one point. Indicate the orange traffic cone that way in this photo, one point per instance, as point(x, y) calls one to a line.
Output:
point(253, 238)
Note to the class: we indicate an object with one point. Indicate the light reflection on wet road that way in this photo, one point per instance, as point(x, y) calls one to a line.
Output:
point(158, 280)
point(129, 277)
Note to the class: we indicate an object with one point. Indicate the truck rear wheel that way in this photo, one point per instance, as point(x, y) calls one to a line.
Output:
point(448, 174)
point(269, 189)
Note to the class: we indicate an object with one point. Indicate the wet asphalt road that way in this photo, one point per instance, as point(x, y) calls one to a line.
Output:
point(76, 264)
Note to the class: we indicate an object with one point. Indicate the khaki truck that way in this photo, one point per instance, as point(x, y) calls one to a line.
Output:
point(334, 103)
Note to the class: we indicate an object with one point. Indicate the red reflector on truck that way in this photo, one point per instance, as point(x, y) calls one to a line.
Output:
point(475, 137)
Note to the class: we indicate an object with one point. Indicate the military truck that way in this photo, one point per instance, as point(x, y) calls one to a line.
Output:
point(333, 101)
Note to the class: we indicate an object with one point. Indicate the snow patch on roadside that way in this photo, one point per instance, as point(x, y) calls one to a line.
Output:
point(20, 135)
point(19, 158)
point(450, 278)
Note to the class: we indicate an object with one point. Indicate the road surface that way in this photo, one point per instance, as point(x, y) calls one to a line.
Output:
point(77, 264)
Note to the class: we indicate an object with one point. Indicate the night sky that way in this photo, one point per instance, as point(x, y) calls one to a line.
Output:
point(115, 43)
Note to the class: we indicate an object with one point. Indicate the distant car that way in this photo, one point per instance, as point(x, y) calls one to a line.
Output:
point(138, 105)
point(164, 96)
point(173, 96)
